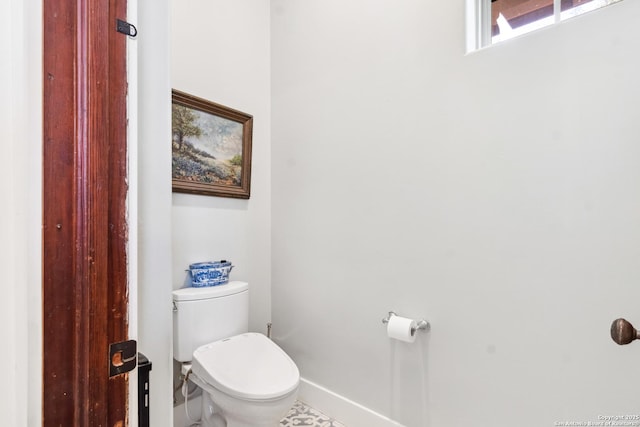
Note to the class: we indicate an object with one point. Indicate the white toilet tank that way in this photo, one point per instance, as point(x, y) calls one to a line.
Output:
point(204, 315)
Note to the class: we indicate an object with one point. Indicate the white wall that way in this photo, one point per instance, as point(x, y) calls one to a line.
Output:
point(220, 52)
point(20, 218)
point(154, 205)
point(8, 219)
point(495, 193)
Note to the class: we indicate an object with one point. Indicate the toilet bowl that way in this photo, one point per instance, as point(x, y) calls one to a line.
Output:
point(248, 381)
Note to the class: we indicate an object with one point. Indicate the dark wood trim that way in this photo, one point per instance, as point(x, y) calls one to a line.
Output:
point(84, 222)
point(58, 227)
point(118, 229)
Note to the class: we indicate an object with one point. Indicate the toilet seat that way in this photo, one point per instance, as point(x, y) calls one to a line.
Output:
point(248, 366)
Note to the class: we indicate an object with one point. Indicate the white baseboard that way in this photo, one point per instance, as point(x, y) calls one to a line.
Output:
point(350, 413)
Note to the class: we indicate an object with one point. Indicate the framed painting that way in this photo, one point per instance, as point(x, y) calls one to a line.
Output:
point(211, 147)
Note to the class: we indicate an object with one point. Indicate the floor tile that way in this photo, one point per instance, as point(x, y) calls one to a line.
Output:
point(302, 415)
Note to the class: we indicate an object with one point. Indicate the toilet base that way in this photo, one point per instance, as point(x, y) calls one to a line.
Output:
point(221, 410)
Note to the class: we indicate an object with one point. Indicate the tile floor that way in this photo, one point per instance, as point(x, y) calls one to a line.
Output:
point(303, 415)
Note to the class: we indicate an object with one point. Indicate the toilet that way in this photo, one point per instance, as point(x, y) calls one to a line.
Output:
point(247, 380)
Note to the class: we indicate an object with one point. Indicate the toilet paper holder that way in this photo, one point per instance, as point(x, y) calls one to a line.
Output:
point(416, 325)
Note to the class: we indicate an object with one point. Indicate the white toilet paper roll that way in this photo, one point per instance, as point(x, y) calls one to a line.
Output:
point(399, 328)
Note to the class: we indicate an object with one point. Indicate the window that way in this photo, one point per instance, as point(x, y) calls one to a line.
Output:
point(497, 20)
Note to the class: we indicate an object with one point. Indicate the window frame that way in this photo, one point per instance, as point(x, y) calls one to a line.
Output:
point(479, 20)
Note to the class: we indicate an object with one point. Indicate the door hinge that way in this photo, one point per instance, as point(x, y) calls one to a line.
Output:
point(122, 357)
point(125, 28)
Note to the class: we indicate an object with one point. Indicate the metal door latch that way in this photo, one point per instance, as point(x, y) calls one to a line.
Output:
point(125, 28)
point(122, 357)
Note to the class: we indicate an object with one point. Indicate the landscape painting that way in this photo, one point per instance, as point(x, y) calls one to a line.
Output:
point(211, 146)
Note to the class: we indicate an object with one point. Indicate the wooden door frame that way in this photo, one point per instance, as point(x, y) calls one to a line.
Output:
point(84, 212)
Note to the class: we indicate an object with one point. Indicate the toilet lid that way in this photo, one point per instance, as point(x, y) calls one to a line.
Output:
point(247, 366)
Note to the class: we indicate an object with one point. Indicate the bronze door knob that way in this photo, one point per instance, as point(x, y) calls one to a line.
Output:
point(623, 332)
